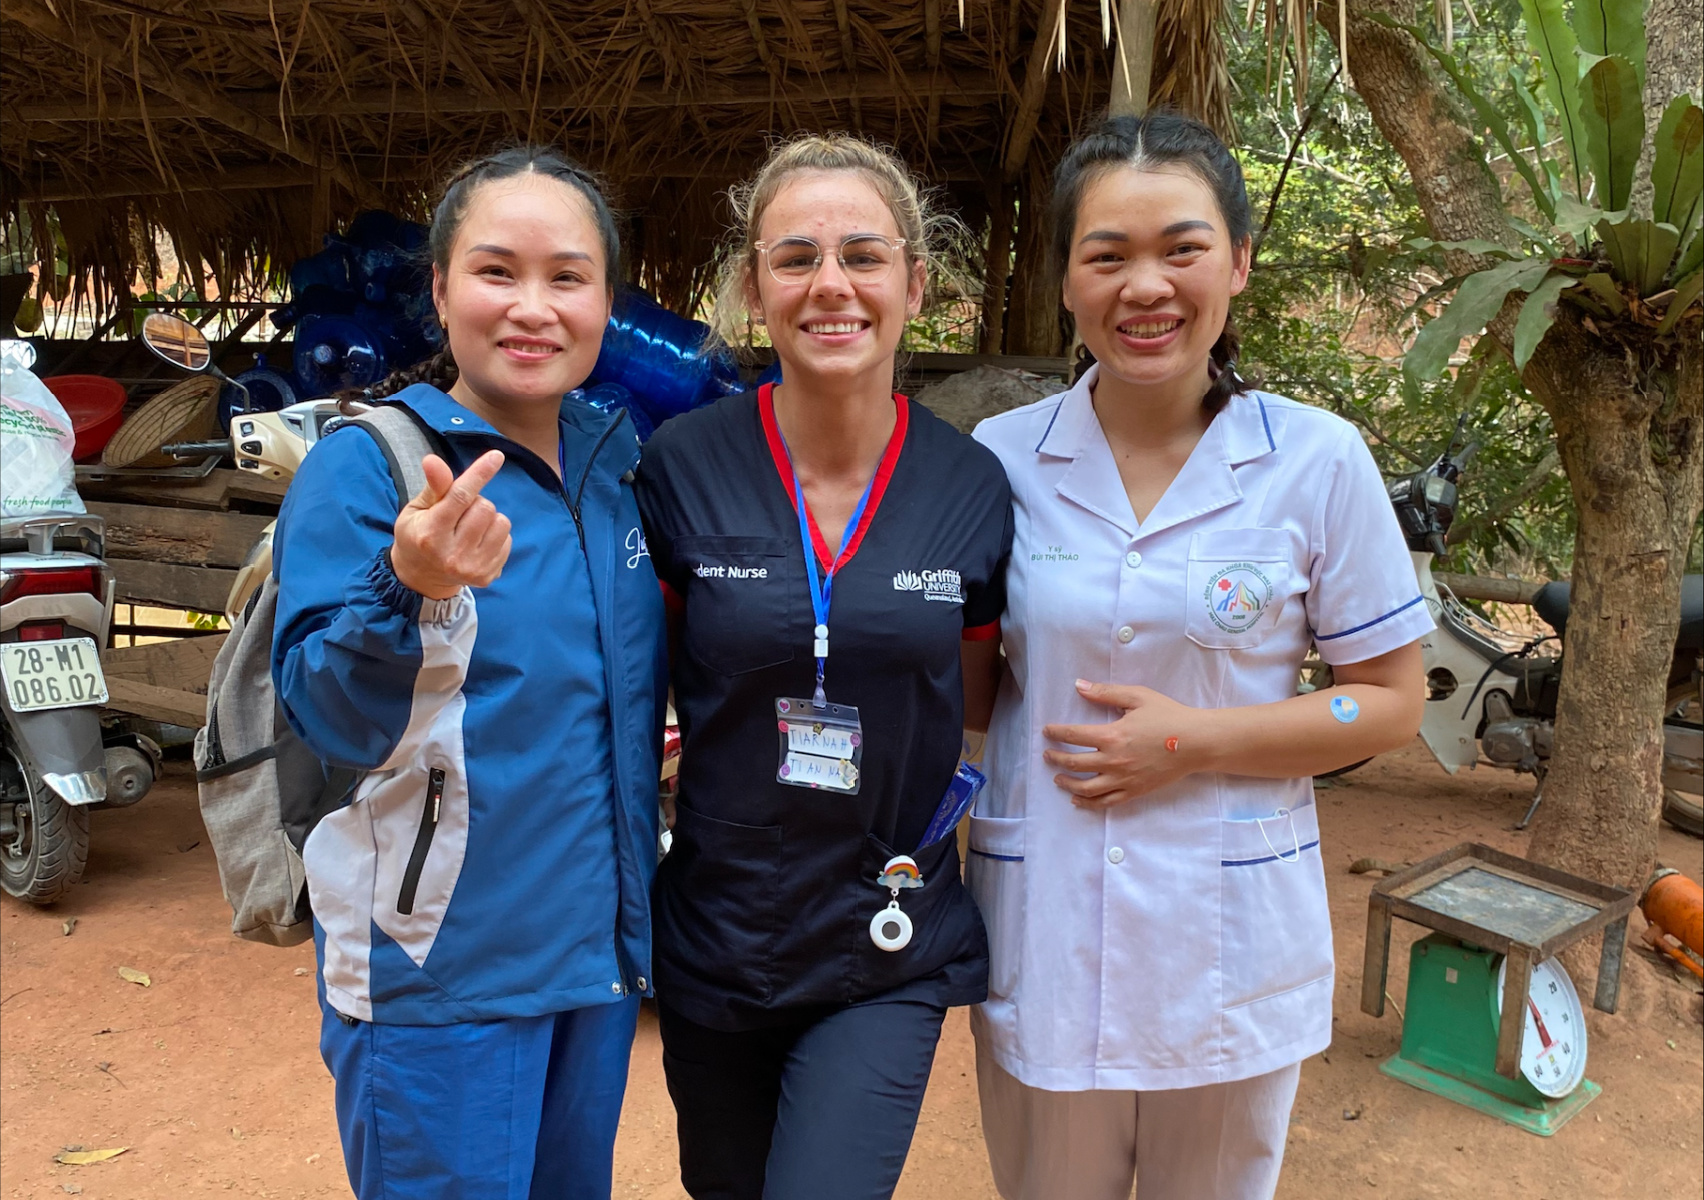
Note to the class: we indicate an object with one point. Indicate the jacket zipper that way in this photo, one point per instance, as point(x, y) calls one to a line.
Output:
point(629, 978)
point(429, 814)
point(586, 474)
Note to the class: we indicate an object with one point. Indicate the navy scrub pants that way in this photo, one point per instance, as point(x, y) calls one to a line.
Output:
point(822, 1110)
point(524, 1109)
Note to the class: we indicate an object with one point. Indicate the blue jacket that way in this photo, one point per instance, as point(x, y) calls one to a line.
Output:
point(496, 858)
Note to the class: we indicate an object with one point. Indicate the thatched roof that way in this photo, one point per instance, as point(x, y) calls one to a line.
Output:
point(244, 129)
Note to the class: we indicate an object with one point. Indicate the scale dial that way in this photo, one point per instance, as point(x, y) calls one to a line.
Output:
point(1553, 1048)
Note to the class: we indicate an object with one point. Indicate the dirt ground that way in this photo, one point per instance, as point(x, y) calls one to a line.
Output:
point(212, 1078)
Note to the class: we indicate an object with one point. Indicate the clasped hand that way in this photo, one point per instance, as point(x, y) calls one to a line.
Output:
point(449, 536)
point(1127, 757)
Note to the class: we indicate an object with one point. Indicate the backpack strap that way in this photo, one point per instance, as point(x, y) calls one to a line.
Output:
point(405, 439)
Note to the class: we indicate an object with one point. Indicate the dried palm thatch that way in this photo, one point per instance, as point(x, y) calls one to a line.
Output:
point(245, 129)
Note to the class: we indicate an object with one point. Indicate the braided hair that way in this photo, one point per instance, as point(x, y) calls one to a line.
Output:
point(1159, 138)
point(440, 370)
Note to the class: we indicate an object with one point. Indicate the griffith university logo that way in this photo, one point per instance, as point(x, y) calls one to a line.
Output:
point(943, 585)
point(1236, 595)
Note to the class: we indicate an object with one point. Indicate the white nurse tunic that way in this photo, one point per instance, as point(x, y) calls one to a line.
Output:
point(1181, 939)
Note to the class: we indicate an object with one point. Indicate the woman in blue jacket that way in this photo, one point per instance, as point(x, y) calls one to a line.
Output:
point(494, 660)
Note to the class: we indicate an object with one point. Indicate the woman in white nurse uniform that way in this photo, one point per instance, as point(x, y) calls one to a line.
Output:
point(1147, 854)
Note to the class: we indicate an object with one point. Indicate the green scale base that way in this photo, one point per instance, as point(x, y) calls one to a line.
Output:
point(1449, 1039)
point(1543, 1121)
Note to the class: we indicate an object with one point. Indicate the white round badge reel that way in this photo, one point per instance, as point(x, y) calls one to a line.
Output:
point(891, 928)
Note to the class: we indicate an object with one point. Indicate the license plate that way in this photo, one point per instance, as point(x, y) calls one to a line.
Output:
point(61, 674)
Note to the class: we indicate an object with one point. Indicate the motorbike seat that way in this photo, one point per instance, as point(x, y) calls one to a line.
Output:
point(1550, 602)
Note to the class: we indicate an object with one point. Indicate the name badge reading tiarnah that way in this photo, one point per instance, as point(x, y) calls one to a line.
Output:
point(822, 745)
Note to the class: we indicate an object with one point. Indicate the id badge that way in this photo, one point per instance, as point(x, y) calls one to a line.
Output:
point(822, 745)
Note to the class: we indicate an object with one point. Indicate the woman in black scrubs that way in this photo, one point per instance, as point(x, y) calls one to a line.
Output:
point(833, 557)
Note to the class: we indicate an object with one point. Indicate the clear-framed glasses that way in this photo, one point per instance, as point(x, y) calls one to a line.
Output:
point(864, 257)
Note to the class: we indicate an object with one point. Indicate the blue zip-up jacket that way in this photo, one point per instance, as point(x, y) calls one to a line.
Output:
point(496, 859)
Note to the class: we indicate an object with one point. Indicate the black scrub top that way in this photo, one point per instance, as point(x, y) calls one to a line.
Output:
point(762, 908)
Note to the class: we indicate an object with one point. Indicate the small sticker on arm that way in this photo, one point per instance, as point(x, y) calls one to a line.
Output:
point(1344, 708)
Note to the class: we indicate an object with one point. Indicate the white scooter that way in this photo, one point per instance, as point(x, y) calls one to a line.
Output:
point(58, 760)
point(1494, 692)
point(269, 444)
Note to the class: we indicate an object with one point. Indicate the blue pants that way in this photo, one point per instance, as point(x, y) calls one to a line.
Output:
point(524, 1109)
point(823, 1109)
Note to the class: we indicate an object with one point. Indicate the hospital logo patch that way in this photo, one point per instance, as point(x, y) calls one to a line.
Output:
point(1236, 595)
point(943, 585)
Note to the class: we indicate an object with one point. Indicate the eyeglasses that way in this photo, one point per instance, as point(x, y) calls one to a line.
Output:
point(865, 257)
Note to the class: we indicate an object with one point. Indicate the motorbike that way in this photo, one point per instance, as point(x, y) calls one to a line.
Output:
point(1493, 691)
point(269, 444)
point(59, 760)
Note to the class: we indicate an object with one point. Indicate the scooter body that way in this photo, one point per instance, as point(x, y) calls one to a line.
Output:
point(56, 762)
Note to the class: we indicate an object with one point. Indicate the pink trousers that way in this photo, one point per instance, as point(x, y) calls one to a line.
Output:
point(1224, 1141)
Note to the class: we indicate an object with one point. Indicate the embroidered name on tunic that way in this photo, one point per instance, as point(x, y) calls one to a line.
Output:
point(706, 571)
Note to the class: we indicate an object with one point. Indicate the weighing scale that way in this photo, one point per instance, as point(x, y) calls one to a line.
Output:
point(1492, 1020)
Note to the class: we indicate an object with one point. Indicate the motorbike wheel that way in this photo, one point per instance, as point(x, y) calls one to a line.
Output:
point(1685, 813)
point(47, 847)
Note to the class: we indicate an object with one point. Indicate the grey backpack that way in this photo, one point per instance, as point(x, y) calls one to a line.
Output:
point(262, 790)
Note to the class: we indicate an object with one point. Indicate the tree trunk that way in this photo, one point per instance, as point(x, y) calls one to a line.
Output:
point(1628, 414)
point(1032, 317)
point(1630, 444)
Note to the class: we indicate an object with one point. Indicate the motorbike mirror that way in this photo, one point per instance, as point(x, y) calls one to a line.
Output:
point(177, 341)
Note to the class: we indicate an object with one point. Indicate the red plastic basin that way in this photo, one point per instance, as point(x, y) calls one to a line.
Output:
point(95, 405)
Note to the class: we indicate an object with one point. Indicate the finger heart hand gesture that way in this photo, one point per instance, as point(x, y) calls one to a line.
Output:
point(449, 536)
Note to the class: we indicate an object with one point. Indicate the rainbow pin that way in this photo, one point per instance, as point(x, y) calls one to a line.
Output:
point(900, 872)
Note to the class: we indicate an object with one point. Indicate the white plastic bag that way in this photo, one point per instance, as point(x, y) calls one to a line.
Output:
point(36, 441)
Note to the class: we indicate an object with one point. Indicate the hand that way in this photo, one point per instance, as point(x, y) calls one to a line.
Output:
point(449, 536)
point(1129, 756)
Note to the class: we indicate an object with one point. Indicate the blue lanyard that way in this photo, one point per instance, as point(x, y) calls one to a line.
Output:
point(822, 592)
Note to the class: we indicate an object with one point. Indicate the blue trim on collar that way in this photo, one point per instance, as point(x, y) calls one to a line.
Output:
point(1326, 637)
point(1264, 422)
point(1050, 421)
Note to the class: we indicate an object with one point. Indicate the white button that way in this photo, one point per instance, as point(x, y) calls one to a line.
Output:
point(1125, 633)
point(455, 420)
point(1115, 855)
point(1133, 559)
point(616, 987)
point(641, 983)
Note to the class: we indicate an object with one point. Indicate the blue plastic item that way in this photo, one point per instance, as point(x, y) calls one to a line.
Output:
point(607, 397)
point(360, 307)
point(269, 391)
point(333, 353)
point(659, 356)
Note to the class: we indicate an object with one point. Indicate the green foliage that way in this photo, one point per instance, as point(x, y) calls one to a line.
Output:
point(1593, 74)
point(1339, 278)
point(1677, 166)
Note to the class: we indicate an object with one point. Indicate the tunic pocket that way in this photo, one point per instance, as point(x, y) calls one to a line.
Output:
point(1237, 584)
point(995, 876)
point(742, 604)
point(1275, 921)
point(717, 891)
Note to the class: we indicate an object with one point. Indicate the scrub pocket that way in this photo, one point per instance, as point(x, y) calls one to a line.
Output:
point(742, 610)
point(717, 886)
point(1275, 922)
point(995, 876)
point(1237, 584)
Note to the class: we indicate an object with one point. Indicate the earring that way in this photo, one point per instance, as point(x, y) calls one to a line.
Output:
point(759, 321)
